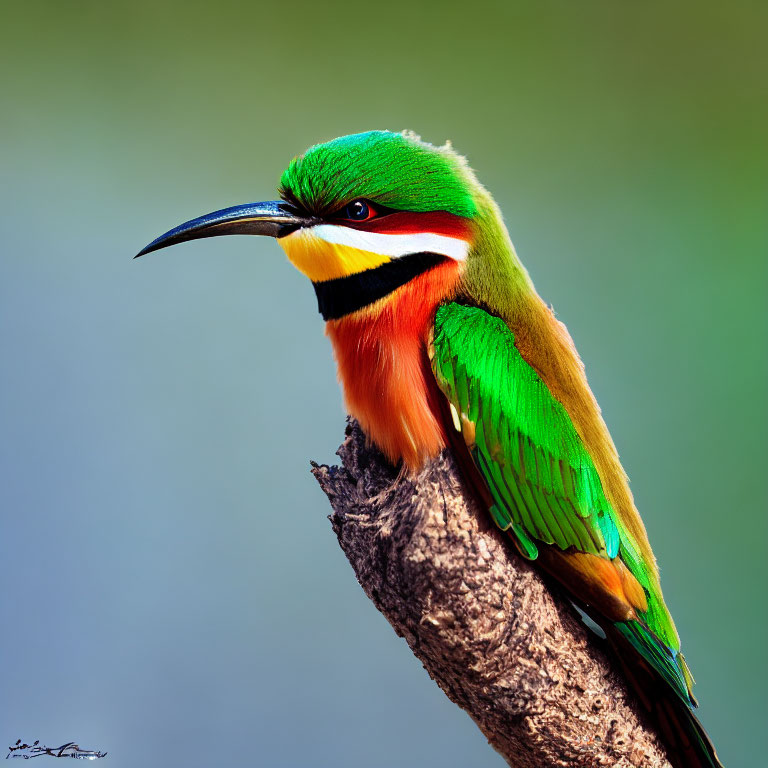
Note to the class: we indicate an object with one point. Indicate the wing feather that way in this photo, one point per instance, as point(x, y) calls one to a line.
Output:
point(545, 488)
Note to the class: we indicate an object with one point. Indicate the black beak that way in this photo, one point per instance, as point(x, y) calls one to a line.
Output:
point(274, 219)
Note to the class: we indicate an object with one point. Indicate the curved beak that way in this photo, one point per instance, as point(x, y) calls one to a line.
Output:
point(274, 219)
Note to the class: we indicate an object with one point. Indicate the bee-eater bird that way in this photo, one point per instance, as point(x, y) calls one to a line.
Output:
point(441, 340)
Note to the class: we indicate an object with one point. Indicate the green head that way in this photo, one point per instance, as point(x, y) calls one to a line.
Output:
point(396, 170)
point(364, 214)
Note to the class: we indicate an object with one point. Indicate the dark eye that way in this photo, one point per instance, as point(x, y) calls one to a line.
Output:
point(358, 210)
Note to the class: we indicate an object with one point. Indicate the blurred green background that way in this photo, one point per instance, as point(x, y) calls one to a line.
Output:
point(171, 589)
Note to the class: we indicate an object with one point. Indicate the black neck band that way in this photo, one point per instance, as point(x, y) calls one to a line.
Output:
point(343, 295)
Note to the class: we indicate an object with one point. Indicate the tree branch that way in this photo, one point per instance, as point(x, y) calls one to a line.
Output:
point(489, 631)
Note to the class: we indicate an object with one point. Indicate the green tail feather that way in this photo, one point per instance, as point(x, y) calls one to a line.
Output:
point(662, 680)
point(659, 656)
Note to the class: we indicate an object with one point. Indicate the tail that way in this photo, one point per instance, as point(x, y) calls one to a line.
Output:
point(662, 682)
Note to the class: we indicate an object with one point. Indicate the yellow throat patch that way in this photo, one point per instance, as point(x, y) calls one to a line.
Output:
point(321, 260)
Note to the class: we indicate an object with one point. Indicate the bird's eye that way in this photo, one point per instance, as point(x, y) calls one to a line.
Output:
point(358, 210)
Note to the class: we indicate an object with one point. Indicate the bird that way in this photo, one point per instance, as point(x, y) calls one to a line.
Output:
point(441, 341)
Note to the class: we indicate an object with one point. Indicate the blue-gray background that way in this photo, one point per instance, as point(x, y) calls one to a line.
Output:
point(171, 590)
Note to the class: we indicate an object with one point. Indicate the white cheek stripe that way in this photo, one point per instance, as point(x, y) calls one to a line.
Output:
point(393, 245)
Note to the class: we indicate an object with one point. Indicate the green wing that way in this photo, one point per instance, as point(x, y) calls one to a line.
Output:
point(544, 484)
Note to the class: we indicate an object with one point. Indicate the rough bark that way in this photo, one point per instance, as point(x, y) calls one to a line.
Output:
point(499, 641)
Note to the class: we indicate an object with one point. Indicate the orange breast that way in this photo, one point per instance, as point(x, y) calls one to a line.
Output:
point(384, 371)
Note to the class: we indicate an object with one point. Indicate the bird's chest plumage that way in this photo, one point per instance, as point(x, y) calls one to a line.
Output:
point(384, 369)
